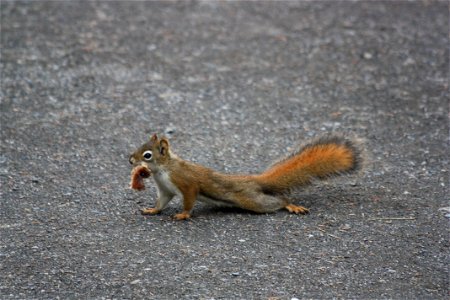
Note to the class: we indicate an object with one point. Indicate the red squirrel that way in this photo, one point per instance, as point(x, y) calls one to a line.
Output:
point(322, 158)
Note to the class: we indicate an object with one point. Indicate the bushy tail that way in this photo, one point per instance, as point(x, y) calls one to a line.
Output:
point(322, 158)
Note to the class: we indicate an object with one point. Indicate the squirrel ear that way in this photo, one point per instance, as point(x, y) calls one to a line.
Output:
point(154, 138)
point(164, 146)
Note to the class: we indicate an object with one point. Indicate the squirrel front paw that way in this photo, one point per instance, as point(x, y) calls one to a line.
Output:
point(149, 211)
point(182, 216)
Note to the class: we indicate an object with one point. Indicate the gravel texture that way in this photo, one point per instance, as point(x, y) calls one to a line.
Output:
point(235, 85)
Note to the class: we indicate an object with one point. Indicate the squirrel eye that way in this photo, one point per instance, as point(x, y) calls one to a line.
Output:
point(147, 155)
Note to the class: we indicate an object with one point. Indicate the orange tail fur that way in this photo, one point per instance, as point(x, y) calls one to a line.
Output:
point(321, 159)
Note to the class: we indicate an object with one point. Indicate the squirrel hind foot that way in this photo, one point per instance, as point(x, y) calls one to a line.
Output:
point(296, 209)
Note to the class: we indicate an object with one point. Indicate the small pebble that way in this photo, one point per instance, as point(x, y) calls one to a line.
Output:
point(169, 130)
point(345, 227)
point(367, 55)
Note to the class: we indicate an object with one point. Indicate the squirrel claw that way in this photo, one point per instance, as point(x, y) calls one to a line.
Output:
point(296, 209)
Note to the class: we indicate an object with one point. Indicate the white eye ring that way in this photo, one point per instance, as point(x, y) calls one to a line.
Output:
point(147, 155)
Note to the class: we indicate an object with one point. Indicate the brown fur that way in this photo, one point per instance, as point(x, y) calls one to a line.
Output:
point(326, 157)
point(261, 193)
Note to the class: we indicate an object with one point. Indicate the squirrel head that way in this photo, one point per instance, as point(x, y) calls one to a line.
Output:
point(153, 153)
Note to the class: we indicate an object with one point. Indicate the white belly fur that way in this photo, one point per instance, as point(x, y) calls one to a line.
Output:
point(162, 179)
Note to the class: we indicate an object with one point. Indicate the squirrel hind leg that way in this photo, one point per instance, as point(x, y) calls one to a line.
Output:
point(262, 203)
point(296, 209)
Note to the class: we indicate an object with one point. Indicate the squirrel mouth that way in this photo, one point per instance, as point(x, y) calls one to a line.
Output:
point(145, 173)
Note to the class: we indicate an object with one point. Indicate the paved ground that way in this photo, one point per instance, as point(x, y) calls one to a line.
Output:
point(235, 84)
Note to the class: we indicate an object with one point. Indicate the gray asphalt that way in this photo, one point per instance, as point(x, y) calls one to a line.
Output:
point(234, 85)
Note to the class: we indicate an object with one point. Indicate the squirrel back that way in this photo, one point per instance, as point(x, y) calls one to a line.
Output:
point(325, 157)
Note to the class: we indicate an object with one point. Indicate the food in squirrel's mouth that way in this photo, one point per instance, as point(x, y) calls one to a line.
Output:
point(137, 177)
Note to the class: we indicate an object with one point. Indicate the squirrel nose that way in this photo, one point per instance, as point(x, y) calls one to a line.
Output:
point(131, 159)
